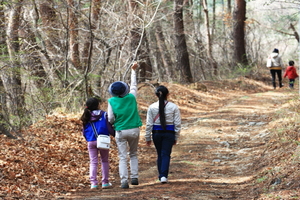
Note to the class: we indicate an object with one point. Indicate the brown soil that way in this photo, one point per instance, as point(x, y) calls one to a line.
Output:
point(227, 150)
point(224, 134)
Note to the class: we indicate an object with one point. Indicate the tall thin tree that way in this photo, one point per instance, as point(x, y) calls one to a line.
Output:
point(211, 60)
point(74, 40)
point(182, 63)
point(165, 55)
point(11, 76)
point(139, 43)
point(239, 18)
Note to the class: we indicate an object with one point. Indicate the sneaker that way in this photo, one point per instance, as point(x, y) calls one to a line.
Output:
point(125, 185)
point(163, 180)
point(106, 185)
point(134, 181)
point(94, 186)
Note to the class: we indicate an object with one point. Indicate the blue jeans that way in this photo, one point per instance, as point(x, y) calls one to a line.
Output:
point(163, 143)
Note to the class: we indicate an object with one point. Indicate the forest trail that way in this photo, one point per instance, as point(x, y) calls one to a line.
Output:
point(216, 155)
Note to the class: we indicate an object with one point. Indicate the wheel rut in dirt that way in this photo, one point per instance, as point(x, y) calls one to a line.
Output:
point(222, 146)
point(215, 156)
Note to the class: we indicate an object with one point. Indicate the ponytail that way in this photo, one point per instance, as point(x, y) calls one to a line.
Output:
point(90, 105)
point(162, 92)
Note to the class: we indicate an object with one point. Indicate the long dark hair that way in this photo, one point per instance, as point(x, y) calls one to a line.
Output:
point(90, 105)
point(162, 92)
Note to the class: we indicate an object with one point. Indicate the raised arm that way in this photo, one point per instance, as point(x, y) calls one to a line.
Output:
point(133, 84)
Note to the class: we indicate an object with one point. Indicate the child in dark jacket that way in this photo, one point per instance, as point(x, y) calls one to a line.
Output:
point(93, 114)
point(291, 73)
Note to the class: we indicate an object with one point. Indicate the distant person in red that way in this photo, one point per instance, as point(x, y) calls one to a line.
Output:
point(291, 73)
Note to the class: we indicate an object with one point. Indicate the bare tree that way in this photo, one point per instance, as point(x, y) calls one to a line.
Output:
point(11, 71)
point(4, 74)
point(74, 38)
point(165, 55)
point(50, 26)
point(50, 45)
point(12, 76)
point(182, 55)
point(92, 26)
point(140, 46)
point(212, 61)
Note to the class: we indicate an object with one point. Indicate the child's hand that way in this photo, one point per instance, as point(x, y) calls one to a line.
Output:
point(134, 66)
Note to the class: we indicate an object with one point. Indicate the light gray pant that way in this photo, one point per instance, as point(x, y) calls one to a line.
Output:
point(128, 137)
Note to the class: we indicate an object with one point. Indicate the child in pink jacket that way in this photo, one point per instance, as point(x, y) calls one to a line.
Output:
point(291, 73)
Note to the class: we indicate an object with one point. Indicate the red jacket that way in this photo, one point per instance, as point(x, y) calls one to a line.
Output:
point(290, 72)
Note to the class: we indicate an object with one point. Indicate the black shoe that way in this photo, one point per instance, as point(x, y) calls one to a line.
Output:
point(134, 181)
point(125, 185)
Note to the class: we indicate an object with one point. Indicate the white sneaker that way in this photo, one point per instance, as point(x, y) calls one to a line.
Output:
point(163, 180)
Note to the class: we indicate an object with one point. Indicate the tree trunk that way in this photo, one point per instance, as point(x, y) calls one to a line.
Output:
point(36, 76)
point(93, 19)
point(239, 17)
point(212, 61)
point(165, 55)
point(4, 54)
point(199, 72)
point(49, 33)
point(12, 75)
point(3, 50)
point(88, 46)
point(228, 6)
point(140, 46)
point(182, 55)
point(49, 41)
point(213, 28)
point(73, 41)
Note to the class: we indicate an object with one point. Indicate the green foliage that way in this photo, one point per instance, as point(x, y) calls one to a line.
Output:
point(234, 72)
point(262, 179)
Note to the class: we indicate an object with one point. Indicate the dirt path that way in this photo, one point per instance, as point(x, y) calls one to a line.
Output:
point(215, 157)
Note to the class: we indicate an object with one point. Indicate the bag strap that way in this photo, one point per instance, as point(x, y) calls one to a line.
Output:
point(93, 125)
point(94, 129)
point(157, 116)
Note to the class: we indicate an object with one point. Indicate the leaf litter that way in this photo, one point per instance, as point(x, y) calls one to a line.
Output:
point(51, 162)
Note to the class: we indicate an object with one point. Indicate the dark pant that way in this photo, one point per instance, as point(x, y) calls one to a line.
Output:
point(291, 83)
point(163, 143)
point(273, 73)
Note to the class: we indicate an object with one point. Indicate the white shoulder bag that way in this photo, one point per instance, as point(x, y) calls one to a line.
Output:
point(103, 141)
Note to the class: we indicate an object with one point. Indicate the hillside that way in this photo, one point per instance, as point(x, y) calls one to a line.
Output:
point(239, 140)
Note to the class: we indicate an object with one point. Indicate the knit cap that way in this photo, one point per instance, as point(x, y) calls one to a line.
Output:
point(118, 88)
point(275, 51)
